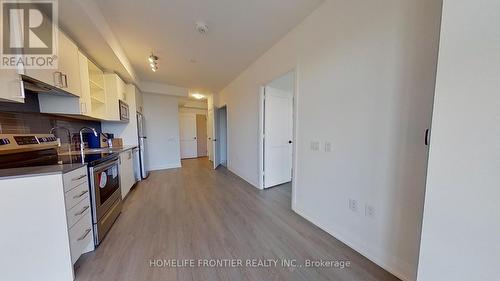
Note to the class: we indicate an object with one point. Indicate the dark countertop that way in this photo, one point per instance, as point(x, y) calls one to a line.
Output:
point(100, 150)
point(38, 171)
point(116, 149)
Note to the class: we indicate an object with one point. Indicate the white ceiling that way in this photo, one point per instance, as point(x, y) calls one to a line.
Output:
point(239, 32)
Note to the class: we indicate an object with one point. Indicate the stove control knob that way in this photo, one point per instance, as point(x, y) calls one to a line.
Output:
point(4, 141)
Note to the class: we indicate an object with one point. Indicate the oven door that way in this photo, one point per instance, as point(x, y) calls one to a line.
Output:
point(105, 187)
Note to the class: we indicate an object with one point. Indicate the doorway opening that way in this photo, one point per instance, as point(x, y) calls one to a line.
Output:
point(193, 135)
point(220, 137)
point(276, 129)
point(201, 134)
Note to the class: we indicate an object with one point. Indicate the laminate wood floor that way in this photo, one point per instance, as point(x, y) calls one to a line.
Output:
point(195, 213)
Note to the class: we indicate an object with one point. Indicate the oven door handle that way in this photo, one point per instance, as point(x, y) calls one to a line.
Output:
point(104, 166)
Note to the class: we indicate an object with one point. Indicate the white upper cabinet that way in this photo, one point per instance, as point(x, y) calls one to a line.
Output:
point(115, 91)
point(93, 89)
point(67, 74)
point(92, 99)
point(11, 85)
point(69, 65)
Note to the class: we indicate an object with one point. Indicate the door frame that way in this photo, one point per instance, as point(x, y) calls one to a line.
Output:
point(216, 137)
point(295, 70)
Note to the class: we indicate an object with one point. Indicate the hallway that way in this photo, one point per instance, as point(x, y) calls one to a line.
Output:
point(196, 213)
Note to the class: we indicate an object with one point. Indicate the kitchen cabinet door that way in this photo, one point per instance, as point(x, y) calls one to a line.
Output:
point(67, 74)
point(68, 65)
point(81, 105)
point(11, 86)
point(115, 91)
point(127, 178)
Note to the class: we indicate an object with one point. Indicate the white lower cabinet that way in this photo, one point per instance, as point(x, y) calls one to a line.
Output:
point(80, 237)
point(46, 225)
point(127, 177)
point(78, 212)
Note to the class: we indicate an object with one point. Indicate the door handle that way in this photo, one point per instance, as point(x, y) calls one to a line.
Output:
point(427, 136)
point(194, 137)
point(289, 141)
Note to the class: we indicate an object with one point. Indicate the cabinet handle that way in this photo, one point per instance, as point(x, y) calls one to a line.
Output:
point(80, 195)
point(65, 77)
point(84, 108)
point(78, 178)
point(82, 211)
point(57, 78)
point(87, 231)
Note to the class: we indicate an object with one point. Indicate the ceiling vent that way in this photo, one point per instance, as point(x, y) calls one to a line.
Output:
point(202, 27)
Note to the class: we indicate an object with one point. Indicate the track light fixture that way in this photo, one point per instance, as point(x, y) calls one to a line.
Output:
point(153, 62)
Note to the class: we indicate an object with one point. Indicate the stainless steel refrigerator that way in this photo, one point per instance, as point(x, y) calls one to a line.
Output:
point(142, 144)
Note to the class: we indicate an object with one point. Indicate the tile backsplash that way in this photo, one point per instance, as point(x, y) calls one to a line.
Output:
point(25, 118)
point(38, 123)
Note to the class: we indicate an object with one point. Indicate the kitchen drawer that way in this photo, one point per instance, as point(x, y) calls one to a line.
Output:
point(77, 194)
point(75, 178)
point(81, 237)
point(78, 211)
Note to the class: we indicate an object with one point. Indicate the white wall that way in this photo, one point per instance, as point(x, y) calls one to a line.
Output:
point(365, 81)
point(193, 110)
point(161, 113)
point(285, 82)
point(461, 228)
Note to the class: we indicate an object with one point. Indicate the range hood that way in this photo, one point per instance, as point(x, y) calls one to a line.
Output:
point(40, 87)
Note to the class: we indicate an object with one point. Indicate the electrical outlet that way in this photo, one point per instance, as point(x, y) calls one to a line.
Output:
point(315, 145)
point(328, 146)
point(353, 205)
point(370, 211)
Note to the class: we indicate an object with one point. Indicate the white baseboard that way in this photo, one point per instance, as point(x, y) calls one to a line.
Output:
point(393, 265)
point(165, 166)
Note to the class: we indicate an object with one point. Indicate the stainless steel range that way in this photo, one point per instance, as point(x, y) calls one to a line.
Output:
point(106, 196)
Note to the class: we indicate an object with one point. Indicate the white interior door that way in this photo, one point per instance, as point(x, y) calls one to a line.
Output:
point(216, 150)
point(189, 146)
point(210, 133)
point(278, 135)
